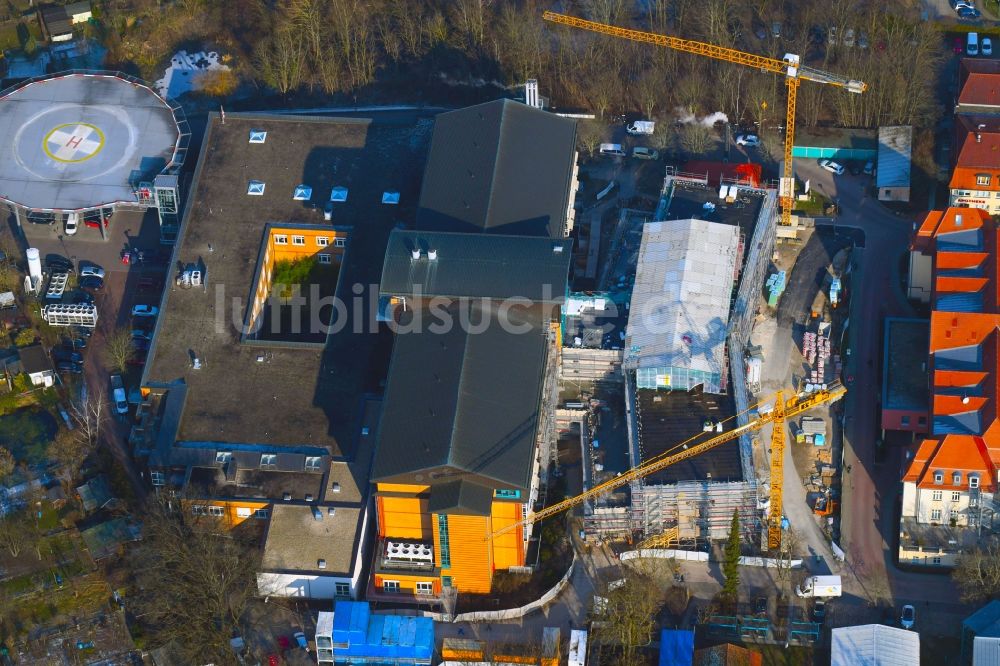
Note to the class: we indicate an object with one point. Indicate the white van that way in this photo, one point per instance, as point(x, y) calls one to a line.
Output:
point(972, 44)
point(614, 149)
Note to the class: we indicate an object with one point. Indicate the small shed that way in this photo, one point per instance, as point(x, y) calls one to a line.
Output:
point(79, 12)
point(37, 365)
point(95, 494)
point(676, 647)
point(874, 645)
point(56, 23)
point(983, 624)
point(892, 179)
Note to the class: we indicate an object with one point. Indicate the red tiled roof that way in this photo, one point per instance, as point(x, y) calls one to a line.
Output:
point(965, 454)
point(981, 90)
point(944, 260)
point(977, 139)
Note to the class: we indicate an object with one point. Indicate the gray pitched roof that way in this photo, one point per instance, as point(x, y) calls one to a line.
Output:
point(499, 167)
point(462, 405)
point(985, 621)
point(476, 265)
point(894, 149)
point(34, 359)
point(461, 497)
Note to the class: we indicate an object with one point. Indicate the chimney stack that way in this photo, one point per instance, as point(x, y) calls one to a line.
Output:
point(415, 254)
point(432, 254)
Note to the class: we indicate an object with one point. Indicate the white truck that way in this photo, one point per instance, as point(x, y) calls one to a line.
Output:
point(820, 587)
point(118, 394)
point(641, 127)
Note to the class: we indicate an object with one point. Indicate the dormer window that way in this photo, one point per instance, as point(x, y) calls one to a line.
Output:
point(956, 479)
point(939, 478)
point(973, 481)
point(982, 179)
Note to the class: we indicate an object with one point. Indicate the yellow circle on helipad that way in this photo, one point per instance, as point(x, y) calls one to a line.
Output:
point(73, 142)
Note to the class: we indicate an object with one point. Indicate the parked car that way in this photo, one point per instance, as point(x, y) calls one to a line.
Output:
point(92, 269)
point(819, 611)
point(72, 223)
point(82, 297)
point(747, 140)
point(869, 168)
point(986, 46)
point(62, 354)
point(908, 617)
point(144, 323)
point(970, 14)
point(92, 283)
point(958, 45)
point(146, 310)
point(863, 40)
point(75, 343)
point(148, 283)
point(849, 37)
point(142, 344)
point(640, 153)
point(138, 359)
point(832, 167)
point(141, 334)
point(118, 394)
point(82, 332)
point(69, 367)
point(758, 30)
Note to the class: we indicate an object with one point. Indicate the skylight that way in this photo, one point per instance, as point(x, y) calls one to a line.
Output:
point(256, 188)
point(338, 194)
point(303, 193)
point(391, 198)
point(258, 136)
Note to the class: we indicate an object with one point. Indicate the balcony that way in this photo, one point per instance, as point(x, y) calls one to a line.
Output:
point(375, 594)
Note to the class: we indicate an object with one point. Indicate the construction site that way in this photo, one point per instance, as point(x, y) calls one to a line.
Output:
point(659, 355)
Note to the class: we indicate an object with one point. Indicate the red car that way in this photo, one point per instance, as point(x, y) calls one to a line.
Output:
point(958, 46)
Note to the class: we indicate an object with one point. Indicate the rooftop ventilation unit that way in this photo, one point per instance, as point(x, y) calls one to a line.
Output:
point(196, 363)
point(309, 497)
point(321, 563)
point(339, 194)
point(302, 193)
point(432, 254)
point(557, 248)
point(335, 486)
point(415, 254)
point(256, 188)
point(390, 198)
point(331, 511)
point(364, 431)
point(258, 136)
point(317, 514)
point(287, 497)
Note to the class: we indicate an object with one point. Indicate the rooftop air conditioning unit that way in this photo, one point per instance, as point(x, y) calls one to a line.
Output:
point(321, 563)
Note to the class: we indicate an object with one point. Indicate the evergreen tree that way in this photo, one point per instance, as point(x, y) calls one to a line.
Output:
point(731, 561)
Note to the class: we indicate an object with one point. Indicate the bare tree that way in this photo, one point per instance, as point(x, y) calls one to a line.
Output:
point(978, 573)
point(7, 463)
point(589, 134)
point(627, 618)
point(695, 138)
point(280, 59)
point(194, 583)
point(119, 349)
point(13, 533)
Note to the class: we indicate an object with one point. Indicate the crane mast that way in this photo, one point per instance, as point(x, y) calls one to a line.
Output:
point(789, 66)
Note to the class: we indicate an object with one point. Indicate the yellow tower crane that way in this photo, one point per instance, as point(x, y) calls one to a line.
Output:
point(775, 414)
point(789, 66)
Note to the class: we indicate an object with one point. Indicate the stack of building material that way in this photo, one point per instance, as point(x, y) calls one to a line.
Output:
point(816, 350)
point(776, 286)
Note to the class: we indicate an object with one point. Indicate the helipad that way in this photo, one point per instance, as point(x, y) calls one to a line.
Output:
point(83, 141)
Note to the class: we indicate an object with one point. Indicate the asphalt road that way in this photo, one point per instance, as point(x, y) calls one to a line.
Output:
point(871, 490)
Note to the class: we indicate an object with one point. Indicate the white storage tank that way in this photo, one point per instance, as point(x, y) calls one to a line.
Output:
point(34, 264)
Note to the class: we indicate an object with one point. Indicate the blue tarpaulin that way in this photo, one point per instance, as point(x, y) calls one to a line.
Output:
point(359, 635)
point(676, 647)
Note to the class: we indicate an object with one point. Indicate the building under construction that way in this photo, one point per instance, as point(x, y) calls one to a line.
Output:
point(698, 276)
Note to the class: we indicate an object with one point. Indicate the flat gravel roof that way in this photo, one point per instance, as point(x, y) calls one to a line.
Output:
point(74, 142)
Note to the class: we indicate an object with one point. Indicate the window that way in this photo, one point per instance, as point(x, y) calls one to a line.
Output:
point(445, 581)
point(444, 541)
point(343, 589)
point(956, 479)
point(255, 188)
point(243, 512)
point(936, 496)
point(425, 587)
point(322, 241)
point(302, 193)
point(281, 239)
point(939, 478)
point(223, 457)
point(298, 240)
point(198, 510)
point(936, 560)
point(158, 478)
point(905, 420)
point(390, 586)
point(313, 462)
point(982, 179)
point(339, 242)
point(508, 494)
point(973, 481)
point(261, 514)
point(268, 459)
point(922, 420)
point(936, 514)
point(216, 511)
point(258, 136)
point(324, 258)
point(956, 496)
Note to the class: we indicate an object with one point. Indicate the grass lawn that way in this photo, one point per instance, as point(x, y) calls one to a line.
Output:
point(795, 655)
point(813, 207)
point(27, 433)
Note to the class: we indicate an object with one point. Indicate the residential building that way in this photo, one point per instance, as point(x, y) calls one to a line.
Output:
point(892, 179)
point(981, 636)
point(949, 485)
point(979, 86)
point(35, 362)
point(352, 634)
point(528, 651)
point(458, 454)
point(975, 178)
point(874, 645)
point(255, 397)
point(905, 388)
point(501, 167)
